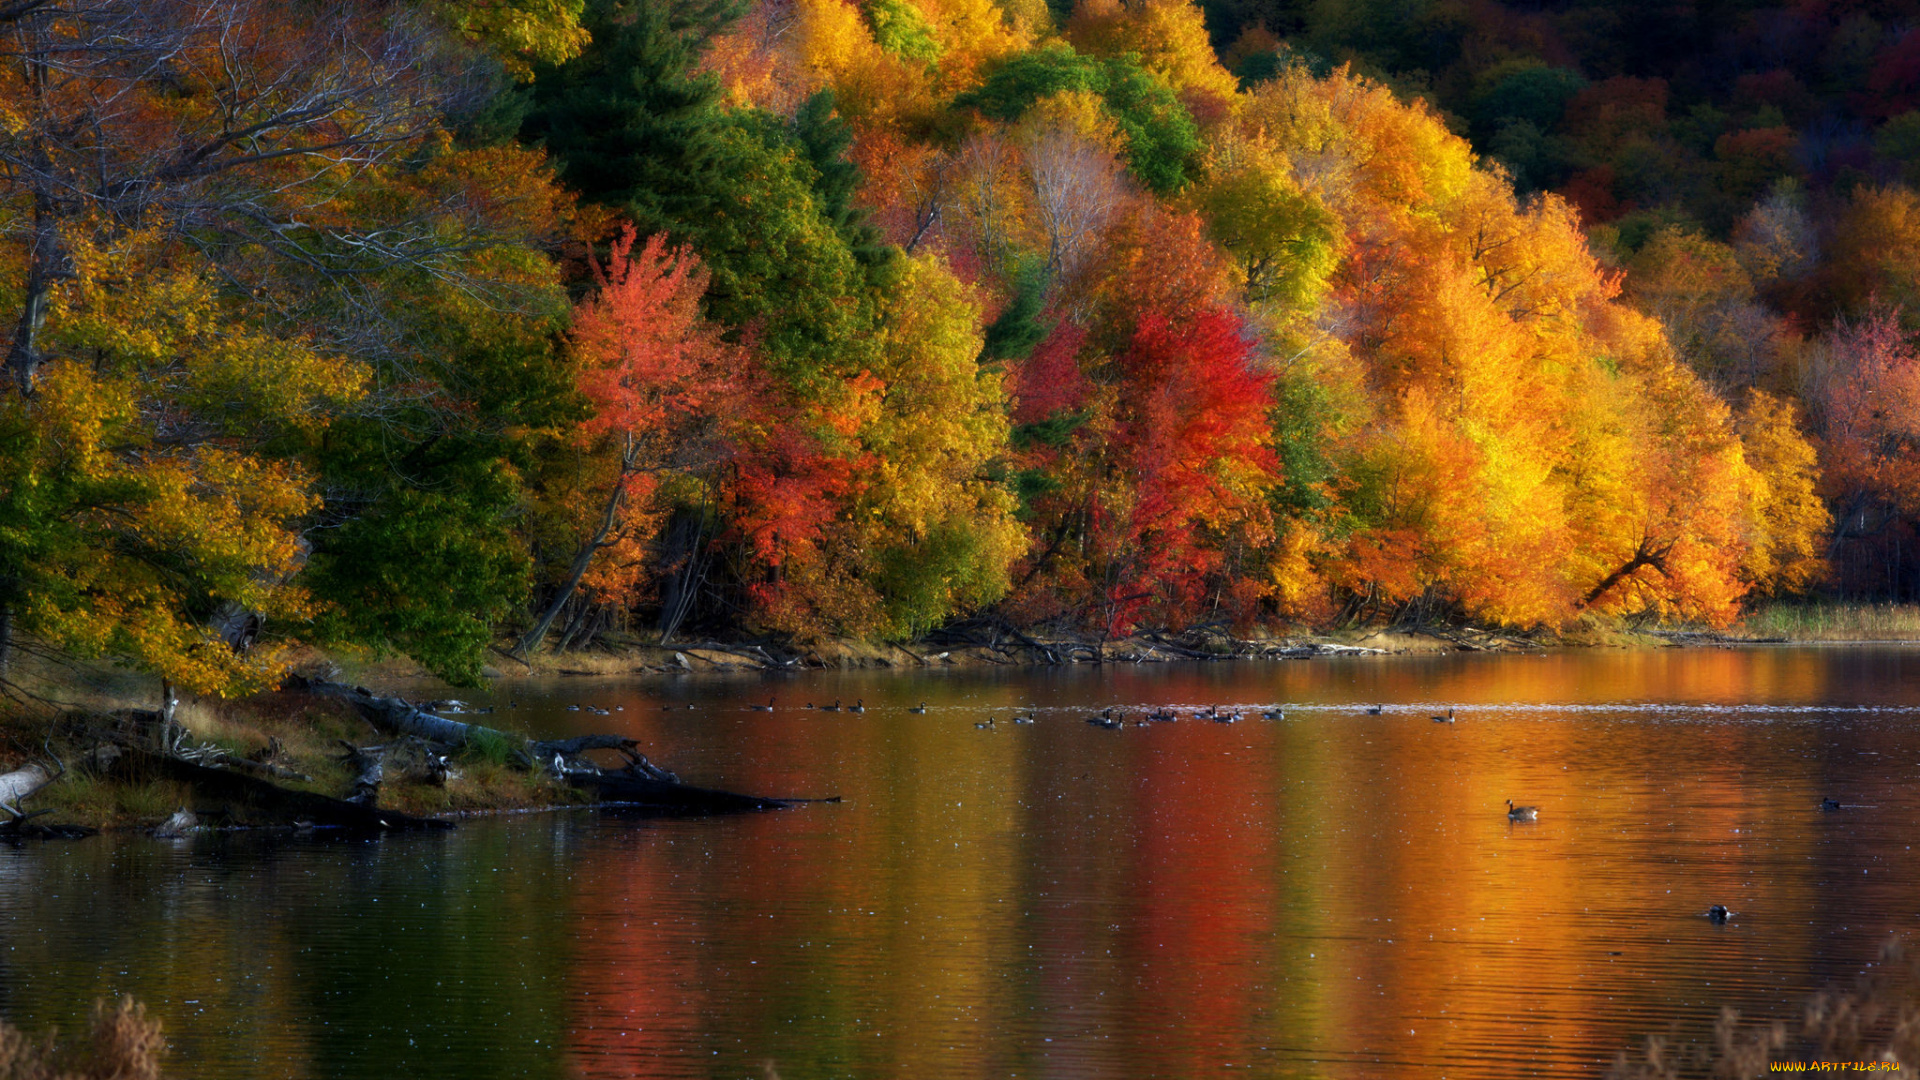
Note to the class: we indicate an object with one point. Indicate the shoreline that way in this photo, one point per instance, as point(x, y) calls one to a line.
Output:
point(303, 733)
point(707, 657)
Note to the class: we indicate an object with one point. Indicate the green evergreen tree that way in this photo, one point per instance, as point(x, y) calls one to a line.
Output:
point(1163, 142)
point(631, 121)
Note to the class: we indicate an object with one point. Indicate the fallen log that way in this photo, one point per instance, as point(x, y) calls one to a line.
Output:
point(408, 758)
point(638, 783)
point(370, 771)
point(18, 785)
point(670, 795)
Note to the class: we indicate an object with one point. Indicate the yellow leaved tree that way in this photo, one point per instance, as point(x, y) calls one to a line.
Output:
point(1170, 37)
point(145, 517)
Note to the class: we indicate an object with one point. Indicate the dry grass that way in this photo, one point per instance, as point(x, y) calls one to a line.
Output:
point(79, 798)
point(1876, 1019)
point(123, 1045)
point(1820, 620)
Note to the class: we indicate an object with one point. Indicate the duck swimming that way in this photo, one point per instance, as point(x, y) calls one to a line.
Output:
point(1522, 813)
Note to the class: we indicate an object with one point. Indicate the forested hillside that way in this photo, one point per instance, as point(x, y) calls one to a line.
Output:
point(428, 325)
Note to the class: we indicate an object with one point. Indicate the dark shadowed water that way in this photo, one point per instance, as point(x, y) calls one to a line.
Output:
point(1335, 894)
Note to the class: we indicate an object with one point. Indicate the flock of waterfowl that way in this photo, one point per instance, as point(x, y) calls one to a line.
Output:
point(1111, 718)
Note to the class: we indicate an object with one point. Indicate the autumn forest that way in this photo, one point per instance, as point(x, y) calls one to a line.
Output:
point(435, 326)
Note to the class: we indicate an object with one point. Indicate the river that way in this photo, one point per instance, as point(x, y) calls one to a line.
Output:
point(1333, 894)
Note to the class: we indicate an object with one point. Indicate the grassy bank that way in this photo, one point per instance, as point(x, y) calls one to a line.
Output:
point(1831, 620)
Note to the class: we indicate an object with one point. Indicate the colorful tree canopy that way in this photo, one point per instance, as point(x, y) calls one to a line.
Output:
point(441, 325)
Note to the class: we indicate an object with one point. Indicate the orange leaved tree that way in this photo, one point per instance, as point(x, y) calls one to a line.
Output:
point(655, 371)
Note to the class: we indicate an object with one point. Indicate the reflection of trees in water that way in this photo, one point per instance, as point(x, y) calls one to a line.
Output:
point(1330, 889)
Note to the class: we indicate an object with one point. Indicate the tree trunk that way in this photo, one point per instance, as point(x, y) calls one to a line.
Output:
point(1645, 555)
point(169, 707)
point(46, 264)
point(582, 628)
point(681, 586)
point(578, 570)
point(6, 640)
point(371, 767)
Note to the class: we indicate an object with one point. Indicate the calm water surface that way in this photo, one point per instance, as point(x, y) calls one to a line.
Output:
point(1331, 895)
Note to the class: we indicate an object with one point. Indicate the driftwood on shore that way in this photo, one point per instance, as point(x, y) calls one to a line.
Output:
point(138, 746)
point(18, 785)
point(638, 782)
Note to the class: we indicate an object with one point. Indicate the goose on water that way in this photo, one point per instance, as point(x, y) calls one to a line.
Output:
point(1829, 804)
point(1522, 813)
point(1373, 710)
point(920, 708)
point(985, 725)
point(1018, 719)
point(1718, 913)
point(835, 707)
point(1447, 719)
point(768, 707)
point(859, 705)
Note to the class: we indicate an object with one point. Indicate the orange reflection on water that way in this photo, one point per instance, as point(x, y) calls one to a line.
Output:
point(1337, 894)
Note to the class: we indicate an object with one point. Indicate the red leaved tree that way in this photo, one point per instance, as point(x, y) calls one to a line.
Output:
point(1194, 435)
point(656, 372)
point(1864, 401)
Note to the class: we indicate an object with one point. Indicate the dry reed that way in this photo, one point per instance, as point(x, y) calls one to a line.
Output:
point(124, 1045)
point(1822, 620)
point(1877, 1019)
